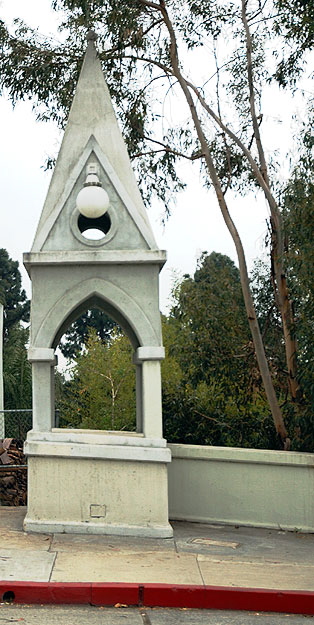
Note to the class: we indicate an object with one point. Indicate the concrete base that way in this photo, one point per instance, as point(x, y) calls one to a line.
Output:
point(59, 527)
point(99, 492)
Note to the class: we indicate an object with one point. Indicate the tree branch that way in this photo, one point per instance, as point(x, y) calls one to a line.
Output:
point(249, 64)
point(248, 300)
point(167, 148)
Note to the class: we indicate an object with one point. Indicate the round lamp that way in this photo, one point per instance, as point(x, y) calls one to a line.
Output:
point(92, 201)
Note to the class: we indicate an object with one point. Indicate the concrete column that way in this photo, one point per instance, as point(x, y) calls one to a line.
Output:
point(43, 361)
point(139, 402)
point(151, 397)
point(2, 424)
point(150, 389)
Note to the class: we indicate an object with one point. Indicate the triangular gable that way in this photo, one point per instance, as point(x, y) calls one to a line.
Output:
point(93, 147)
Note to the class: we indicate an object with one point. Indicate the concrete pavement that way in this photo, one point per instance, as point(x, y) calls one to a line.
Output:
point(200, 556)
point(92, 615)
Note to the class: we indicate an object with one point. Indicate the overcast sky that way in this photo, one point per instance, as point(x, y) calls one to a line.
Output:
point(195, 225)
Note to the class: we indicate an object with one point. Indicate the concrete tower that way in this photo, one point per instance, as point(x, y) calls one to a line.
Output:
point(86, 480)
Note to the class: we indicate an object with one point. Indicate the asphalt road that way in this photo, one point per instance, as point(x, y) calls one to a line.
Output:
point(90, 615)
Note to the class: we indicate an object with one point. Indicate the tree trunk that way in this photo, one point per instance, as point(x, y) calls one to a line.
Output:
point(284, 305)
point(248, 300)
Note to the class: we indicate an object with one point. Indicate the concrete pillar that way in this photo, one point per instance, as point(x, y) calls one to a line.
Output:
point(151, 397)
point(43, 361)
point(150, 389)
point(139, 402)
point(2, 424)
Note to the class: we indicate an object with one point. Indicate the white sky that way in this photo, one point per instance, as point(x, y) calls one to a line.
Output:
point(195, 225)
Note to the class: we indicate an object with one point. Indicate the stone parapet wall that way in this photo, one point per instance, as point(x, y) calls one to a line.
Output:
point(260, 488)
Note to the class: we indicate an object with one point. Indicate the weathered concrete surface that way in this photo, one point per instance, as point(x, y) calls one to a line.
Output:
point(103, 486)
point(256, 574)
point(91, 115)
point(12, 535)
point(146, 567)
point(254, 487)
point(198, 554)
point(92, 495)
point(100, 543)
point(23, 541)
point(254, 544)
point(26, 565)
point(69, 615)
point(90, 615)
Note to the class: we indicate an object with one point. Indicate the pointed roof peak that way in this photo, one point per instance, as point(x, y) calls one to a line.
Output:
point(91, 36)
point(91, 114)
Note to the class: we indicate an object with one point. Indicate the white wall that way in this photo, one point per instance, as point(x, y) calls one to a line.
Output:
point(242, 486)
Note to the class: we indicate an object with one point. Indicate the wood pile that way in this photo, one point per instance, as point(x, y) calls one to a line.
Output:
point(13, 473)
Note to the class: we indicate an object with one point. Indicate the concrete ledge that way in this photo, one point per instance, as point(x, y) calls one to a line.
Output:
point(149, 353)
point(95, 437)
point(246, 456)
point(97, 257)
point(92, 451)
point(41, 354)
point(77, 527)
point(160, 595)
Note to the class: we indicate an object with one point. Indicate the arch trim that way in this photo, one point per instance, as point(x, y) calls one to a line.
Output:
point(97, 291)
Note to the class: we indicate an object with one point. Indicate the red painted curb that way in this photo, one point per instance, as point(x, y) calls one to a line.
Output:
point(45, 592)
point(167, 595)
point(160, 595)
point(113, 593)
point(226, 598)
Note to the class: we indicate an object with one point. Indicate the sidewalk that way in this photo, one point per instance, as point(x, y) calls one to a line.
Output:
point(202, 563)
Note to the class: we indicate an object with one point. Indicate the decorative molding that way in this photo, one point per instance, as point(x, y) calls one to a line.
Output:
point(92, 451)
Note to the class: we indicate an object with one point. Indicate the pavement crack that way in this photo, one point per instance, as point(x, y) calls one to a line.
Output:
point(51, 537)
point(145, 617)
point(200, 571)
point(53, 564)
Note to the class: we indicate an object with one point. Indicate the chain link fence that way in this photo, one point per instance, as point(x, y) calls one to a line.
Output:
point(15, 423)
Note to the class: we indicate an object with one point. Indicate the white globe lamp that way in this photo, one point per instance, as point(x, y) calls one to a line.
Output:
point(92, 201)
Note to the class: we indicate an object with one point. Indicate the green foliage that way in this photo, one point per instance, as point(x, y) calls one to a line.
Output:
point(299, 224)
point(101, 391)
point(17, 372)
point(16, 368)
point(295, 23)
point(12, 296)
point(213, 323)
point(76, 336)
point(298, 216)
point(212, 391)
point(134, 50)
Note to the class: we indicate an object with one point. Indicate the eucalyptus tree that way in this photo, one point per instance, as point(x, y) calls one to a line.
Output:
point(210, 60)
point(298, 213)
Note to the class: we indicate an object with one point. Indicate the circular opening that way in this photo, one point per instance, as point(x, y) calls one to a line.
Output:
point(8, 596)
point(94, 229)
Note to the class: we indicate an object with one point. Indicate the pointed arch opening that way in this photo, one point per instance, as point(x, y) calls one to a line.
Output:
point(97, 388)
point(97, 302)
point(143, 338)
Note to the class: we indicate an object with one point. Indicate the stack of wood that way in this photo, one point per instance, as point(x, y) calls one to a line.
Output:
point(13, 473)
